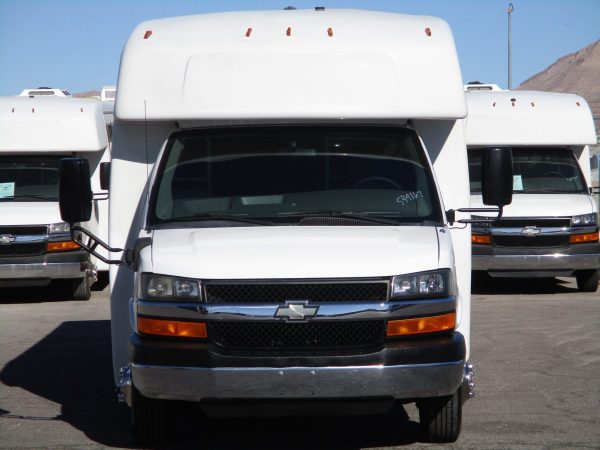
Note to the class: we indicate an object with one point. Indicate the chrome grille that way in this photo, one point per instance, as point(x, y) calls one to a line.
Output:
point(275, 293)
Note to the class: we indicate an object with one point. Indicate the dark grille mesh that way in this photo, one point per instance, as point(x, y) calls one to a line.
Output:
point(23, 249)
point(296, 336)
point(280, 293)
point(18, 230)
point(523, 222)
point(525, 241)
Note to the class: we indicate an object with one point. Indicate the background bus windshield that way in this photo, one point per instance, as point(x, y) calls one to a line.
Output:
point(29, 178)
point(536, 170)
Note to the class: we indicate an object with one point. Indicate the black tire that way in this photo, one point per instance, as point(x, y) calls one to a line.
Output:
point(441, 417)
point(587, 280)
point(80, 288)
point(150, 418)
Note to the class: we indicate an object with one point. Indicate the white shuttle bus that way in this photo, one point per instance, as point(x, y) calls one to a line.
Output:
point(286, 198)
point(551, 227)
point(35, 244)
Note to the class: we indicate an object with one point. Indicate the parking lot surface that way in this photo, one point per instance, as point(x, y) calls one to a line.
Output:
point(535, 346)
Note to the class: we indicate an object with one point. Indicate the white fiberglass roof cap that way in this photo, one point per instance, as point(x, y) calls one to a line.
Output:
point(291, 64)
point(528, 118)
point(51, 124)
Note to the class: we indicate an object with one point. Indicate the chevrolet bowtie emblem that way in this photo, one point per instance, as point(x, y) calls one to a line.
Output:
point(296, 311)
point(7, 239)
point(531, 231)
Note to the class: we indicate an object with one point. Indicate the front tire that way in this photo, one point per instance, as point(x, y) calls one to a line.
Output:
point(587, 280)
point(81, 288)
point(150, 418)
point(441, 417)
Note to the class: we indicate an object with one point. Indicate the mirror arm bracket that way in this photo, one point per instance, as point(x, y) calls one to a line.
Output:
point(451, 214)
point(94, 242)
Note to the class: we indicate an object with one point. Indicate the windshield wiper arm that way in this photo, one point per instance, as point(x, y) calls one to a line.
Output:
point(223, 217)
point(341, 214)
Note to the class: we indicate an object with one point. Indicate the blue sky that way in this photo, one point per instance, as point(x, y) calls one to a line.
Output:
point(76, 44)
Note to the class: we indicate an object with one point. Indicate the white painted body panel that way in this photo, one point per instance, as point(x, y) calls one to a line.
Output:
point(153, 84)
point(294, 252)
point(544, 205)
point(29, 213)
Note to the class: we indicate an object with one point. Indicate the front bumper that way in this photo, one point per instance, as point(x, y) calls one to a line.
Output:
point(531, 262)
point(405, 369)
point(43, 268)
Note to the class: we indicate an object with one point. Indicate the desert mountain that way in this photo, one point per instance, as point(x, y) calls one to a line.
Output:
point(576, 73)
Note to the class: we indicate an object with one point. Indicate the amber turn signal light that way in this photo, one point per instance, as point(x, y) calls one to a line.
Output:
point(484, 239)
point(172, 328)
point(62, 246)
point(421, 325)
point(587, 237)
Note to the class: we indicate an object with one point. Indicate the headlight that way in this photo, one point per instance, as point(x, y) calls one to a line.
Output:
point(59, 228)
point(584, 219)
point(438, 283)
point(162, 287)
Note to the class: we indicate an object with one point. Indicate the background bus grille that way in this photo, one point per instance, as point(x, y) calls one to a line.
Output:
point(525, 241)
point(312, 292)
point(552, 222)
point(297, 336)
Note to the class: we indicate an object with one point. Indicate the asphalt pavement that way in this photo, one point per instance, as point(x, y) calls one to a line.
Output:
point(535, 346)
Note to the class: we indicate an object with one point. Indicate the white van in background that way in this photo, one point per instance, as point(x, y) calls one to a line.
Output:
point(35, 134)
point(108, 94)
point(285, 195)
point(551, 227)
point(44, 91)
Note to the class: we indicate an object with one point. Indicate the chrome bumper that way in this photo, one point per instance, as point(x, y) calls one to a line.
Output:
point(398, 382)
point(550, 262)
point(42, 270)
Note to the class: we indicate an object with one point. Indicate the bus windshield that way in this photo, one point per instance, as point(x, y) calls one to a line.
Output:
point(284, 173)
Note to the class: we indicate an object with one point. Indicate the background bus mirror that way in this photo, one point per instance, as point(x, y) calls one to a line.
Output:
point(74, 190)
point(497, 176)
point(104, 176)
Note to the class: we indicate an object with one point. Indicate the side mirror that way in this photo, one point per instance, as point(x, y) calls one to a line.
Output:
point(104, 176)
point(497, 176)
point(75, 190)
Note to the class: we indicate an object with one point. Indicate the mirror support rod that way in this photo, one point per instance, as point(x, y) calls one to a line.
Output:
point(451, 214)
point(95, 241)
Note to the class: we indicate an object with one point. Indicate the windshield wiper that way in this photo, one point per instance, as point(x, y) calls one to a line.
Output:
point(341, 214)
point(31, 197)
point(221, 217)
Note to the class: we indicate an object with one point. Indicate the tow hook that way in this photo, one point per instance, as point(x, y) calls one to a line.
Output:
point(468, 383)
point(92, 273)
point(124, 385)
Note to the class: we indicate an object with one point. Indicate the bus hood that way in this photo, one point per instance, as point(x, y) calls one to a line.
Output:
point(542, 205)
point(294, 252)
point(28, 213)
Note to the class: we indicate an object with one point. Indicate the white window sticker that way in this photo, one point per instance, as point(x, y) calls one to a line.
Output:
point(7, 189)
point(517, 183)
